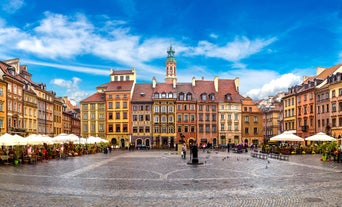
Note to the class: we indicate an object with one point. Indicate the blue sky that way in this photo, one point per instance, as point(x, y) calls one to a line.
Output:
point(270, 45)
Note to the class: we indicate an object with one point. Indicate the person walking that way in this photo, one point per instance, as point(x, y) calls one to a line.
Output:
point(184, 151)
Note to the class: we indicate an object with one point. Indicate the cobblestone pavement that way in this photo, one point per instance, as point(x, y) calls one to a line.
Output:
point(162, 178)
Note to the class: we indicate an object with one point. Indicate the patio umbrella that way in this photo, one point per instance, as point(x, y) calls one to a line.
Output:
point(10, 140)
point(38, 139)
point(320, 137)
point(62, 138)
point(287, 136)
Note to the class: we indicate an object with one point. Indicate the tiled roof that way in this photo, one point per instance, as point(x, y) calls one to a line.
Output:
point(185, 88)
point(142, 93)
point(121, 72)
point(164, 88)
point(96, 97)
point(203, 86)
point(119, 86)
point(324, 74)
point(226, 86)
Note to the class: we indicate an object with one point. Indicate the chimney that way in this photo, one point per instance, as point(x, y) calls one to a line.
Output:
point(319, 70)
point(216, 83)
point(174, 83)
point(193, 81)
point(154, 82)
point(237, 83)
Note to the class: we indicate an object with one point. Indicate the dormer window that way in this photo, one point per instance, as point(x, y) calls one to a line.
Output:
point(163, 95)
point(189, 96)
point(170, 95)
point(212, 97)
point(204, 96)
point(181, 96)
point(156, 95)
point(228, 97)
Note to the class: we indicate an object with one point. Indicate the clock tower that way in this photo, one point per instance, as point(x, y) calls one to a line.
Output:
point(170, 66)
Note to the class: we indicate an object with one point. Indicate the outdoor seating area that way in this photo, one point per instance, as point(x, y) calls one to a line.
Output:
point(39, 148)
point(285, 144)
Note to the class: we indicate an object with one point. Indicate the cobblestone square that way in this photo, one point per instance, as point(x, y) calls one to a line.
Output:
point(162, 178)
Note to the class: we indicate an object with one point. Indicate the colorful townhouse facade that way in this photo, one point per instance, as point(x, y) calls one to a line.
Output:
point(163, 114)
point(27, 107)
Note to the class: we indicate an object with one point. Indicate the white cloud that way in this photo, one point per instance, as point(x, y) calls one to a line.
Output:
point(214, 36)
point(12, 6)
point(59, 36)
point(240, 48)
point(279, 84)
point(72, 88)
point(82, 69)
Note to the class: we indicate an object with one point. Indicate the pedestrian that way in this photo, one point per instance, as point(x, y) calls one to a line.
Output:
point(228, 146)
point(184, 151)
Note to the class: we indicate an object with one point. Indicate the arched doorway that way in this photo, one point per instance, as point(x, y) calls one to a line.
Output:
point(191, 141)
point(113, 141)
point(139, 142)
point(122, 143)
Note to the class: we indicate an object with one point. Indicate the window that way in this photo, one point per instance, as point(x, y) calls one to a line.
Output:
point(156, 119)
point(170, 109)
point(135, 129)
point(246, 118)
point(135, 117)
point(255, 119)
point(192, 128)
point(110, 128)
point(117, 105)
point(110, 105)
point(156, 108)
point(204, 97)
point(110, 116)
point(124, 115)
point(186, 128)
point(186, 117)
point(333, 107)
point(255, 131)
point(117, 128)
point(246, 130)
point(125, 105)
point(117, 115)
point(147, 129)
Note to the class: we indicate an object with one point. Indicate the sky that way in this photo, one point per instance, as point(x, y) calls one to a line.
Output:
point(269, 45)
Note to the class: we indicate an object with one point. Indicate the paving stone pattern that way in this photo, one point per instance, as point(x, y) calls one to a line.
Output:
point(162, 178)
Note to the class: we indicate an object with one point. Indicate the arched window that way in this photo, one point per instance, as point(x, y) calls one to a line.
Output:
point(189, 96)
point(170, 95)
point(156, 95)
point(163, 95)
point(228, 97)
point(204, 96)
point(212, 97)
point(181, 96)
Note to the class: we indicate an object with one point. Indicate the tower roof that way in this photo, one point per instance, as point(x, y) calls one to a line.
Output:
point(171, 55)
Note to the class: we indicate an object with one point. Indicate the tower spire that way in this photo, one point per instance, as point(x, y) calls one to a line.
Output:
point(170, 66)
